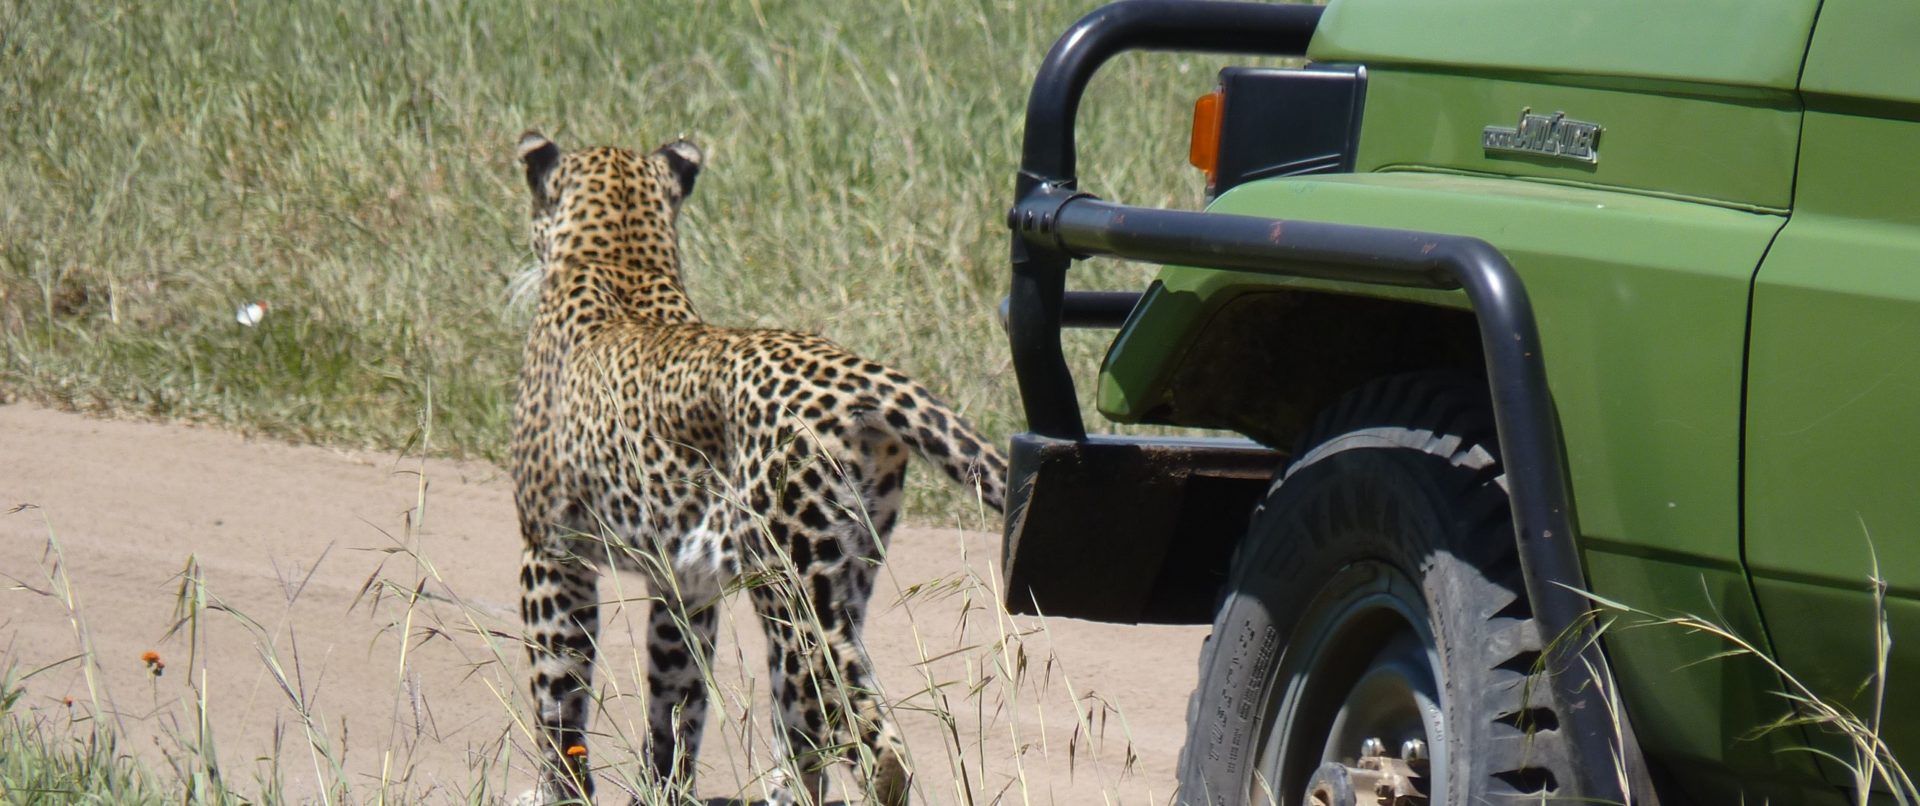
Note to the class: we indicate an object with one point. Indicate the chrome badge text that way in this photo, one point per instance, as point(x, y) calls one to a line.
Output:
point(1556, 136)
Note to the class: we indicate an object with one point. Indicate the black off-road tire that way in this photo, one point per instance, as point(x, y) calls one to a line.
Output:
point(1386, 545)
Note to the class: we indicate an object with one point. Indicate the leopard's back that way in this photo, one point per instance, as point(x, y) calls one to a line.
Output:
point(671, 433)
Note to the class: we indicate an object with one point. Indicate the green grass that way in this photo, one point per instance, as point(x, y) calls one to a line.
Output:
point(45, 763)
point(353, 167)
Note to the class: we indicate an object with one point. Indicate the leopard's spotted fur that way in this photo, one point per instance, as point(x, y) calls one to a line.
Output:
point(704, 458)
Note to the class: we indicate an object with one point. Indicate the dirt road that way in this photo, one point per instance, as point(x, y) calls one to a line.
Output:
point(342, 623)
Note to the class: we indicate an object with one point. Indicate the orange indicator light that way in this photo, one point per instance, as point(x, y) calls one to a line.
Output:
point(1204, 150)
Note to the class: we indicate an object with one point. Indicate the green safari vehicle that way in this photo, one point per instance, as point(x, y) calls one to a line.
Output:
point(1529, 329)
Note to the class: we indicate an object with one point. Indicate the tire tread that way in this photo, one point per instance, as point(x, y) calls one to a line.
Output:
point(1519, 745)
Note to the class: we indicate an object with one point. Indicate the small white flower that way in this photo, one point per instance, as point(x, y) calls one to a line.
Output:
point(249, 314)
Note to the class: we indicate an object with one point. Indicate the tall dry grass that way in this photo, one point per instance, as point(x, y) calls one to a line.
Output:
point(990, 684)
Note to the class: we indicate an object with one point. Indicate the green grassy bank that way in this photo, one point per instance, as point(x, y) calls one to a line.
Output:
point(353, 168)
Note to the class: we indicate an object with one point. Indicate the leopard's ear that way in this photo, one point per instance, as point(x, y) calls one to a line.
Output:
point(540, 155)
point(684, 159)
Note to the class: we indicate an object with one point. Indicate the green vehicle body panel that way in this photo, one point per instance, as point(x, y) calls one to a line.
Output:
point(1650, 293)
point(1749, 48)
point(1833, 425)
point(1665, 145)
point(1730, 305)
point(1864, 58)
point(1704, 716)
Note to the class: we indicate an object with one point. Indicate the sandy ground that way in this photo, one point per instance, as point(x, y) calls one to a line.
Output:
point(343, 624)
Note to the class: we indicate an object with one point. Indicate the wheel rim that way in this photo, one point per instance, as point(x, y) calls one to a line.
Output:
point(1360, 665)
point(1395, 700)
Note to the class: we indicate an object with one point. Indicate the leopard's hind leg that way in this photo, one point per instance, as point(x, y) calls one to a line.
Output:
point(825, 693)
point(833, 524)
point(799, 726)
point(681, 626)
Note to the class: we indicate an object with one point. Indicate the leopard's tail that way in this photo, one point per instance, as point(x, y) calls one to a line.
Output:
point(944, 438)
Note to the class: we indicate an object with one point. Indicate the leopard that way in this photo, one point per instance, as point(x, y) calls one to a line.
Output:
point(705, 459)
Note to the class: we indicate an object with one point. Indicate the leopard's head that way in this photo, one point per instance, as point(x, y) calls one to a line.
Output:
point(606, 203)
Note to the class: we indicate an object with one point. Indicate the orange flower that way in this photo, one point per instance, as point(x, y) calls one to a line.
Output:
point(576, 751)
point(67, 701)
point(150, 657)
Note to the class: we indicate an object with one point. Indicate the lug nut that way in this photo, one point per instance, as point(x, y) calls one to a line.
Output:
point(1413, 750)
point(1372, 746)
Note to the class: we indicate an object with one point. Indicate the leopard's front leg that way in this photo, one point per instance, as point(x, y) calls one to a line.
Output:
point(560, 609)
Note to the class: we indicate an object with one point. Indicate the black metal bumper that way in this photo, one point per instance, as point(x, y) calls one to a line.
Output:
point(1110, 529)
point(1053, 224)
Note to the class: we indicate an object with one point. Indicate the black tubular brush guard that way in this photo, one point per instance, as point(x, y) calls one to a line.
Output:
point(1054, 224)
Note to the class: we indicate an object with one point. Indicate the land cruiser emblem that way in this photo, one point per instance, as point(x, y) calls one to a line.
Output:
point(1556, 136)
